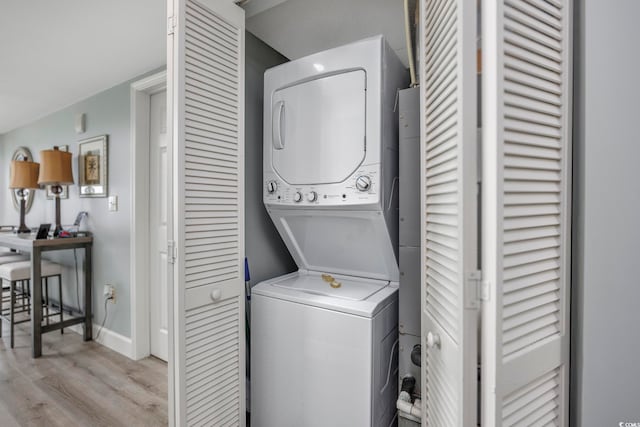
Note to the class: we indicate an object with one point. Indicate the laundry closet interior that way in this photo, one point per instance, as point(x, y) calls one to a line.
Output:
point(367, 236)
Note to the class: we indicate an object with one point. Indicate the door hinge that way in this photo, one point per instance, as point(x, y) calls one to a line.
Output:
point(171, 24)
point(172, 251)
point(474, 291)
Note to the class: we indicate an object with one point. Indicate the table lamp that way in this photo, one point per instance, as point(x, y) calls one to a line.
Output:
point(55, 170)
point(23, 176)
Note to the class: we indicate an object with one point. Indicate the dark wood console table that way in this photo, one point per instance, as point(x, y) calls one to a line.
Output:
point(27, 243)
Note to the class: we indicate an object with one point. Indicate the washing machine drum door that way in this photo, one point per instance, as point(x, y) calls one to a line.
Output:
point(318, 129)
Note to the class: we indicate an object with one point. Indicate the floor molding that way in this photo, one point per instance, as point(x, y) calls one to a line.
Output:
point(108, 338)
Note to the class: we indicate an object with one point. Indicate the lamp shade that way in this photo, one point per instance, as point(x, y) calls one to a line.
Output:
point(23, 174)
point(55, 167)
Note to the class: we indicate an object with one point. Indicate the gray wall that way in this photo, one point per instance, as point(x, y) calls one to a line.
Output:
point(107, 113)
point(268, 257)
point(606, 251)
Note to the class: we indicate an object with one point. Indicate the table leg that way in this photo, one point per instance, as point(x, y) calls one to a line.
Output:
point(36, 304)
point(88, 325)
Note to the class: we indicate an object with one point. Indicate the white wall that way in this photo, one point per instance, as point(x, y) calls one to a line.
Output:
point(606, 252)
point(107, 113)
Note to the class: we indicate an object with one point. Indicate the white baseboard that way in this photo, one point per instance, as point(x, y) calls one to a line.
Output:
point(108, 338)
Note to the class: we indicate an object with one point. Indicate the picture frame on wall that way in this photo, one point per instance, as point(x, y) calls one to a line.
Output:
point(65, 188)
point(93, 164)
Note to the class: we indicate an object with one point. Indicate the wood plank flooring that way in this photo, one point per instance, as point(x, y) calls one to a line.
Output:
point(77, 384)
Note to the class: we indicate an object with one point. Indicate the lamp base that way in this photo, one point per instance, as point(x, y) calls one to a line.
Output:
point(56, 189)
point(23, 229)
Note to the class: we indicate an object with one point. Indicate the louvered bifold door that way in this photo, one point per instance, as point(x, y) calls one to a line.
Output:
point(449, 212)
point(206, 85)
point(526, 89)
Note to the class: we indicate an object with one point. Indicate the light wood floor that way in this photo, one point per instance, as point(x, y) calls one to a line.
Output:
point(78, 384)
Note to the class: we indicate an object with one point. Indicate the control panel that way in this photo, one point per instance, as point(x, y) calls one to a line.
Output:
point(362, 187)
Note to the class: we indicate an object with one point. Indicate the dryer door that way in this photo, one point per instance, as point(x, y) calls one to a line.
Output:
point(318, 129)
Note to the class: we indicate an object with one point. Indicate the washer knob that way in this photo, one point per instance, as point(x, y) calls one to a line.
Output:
point(272, 186)
point(312, 196)
point(297, 197)
point(363, 183)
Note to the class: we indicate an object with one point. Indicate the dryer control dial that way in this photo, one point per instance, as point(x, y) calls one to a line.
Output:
point(297, 197)
point(272, 186)
point(363, 183)
point(312, 196)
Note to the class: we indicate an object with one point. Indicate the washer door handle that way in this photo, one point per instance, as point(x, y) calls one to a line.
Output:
point(277, 119)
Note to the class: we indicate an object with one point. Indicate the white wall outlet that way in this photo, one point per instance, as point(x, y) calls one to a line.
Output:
point(113, 203)
point(110, 293)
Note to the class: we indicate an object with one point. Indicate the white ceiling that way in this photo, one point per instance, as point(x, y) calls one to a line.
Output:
point(55, 53)
point(297, 28)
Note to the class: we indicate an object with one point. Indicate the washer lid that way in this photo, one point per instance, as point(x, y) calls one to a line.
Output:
point(353, 289)
point(357, 296)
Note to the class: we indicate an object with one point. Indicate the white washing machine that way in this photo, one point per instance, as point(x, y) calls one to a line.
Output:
point(322, 355)
point(324, 339)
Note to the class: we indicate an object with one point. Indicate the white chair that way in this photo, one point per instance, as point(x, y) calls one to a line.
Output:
point(20, 271)
point(7, 258)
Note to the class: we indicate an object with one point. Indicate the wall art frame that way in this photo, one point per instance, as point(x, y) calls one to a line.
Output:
point(93, 167)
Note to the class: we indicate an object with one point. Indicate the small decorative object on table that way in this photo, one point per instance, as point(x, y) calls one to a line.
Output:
point(93, 167)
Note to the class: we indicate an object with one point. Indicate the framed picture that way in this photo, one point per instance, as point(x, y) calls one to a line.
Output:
point(65, 188)
point(93, 164)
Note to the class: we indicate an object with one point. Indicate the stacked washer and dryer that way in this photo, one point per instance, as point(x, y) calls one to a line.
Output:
point(324, 339)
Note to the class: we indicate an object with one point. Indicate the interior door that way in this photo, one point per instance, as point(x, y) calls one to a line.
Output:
point(158, 207)
point(206, 89)
point(449, 213)
point(526, 215)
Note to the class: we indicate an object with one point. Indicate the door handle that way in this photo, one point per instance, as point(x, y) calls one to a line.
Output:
point(433, 340)
point(277, 118)
point(216, 294)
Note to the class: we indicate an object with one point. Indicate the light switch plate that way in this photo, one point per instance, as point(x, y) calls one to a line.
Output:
point(113, 203)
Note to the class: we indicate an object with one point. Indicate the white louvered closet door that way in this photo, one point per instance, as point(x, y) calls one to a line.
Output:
point(449, 212)
point(527, 66)
point(206, 86)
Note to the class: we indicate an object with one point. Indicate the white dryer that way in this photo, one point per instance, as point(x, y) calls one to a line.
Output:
point(323, 339)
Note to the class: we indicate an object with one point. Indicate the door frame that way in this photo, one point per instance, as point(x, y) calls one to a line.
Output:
point(141, 92)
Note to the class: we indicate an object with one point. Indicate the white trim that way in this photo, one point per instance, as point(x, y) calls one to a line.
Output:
point(141, 92)
point(108, 338)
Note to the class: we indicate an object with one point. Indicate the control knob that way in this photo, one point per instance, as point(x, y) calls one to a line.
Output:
point(272, 186)
point(312, 196)
point(363, 183)
point(297, 197)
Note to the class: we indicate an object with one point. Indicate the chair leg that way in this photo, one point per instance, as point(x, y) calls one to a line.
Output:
point(21, 294)
point(28, 292)
point(12, 290)
point(61, 304)
point(46, 298)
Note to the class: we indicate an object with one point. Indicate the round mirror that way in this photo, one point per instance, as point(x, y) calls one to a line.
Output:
point(22, 153)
